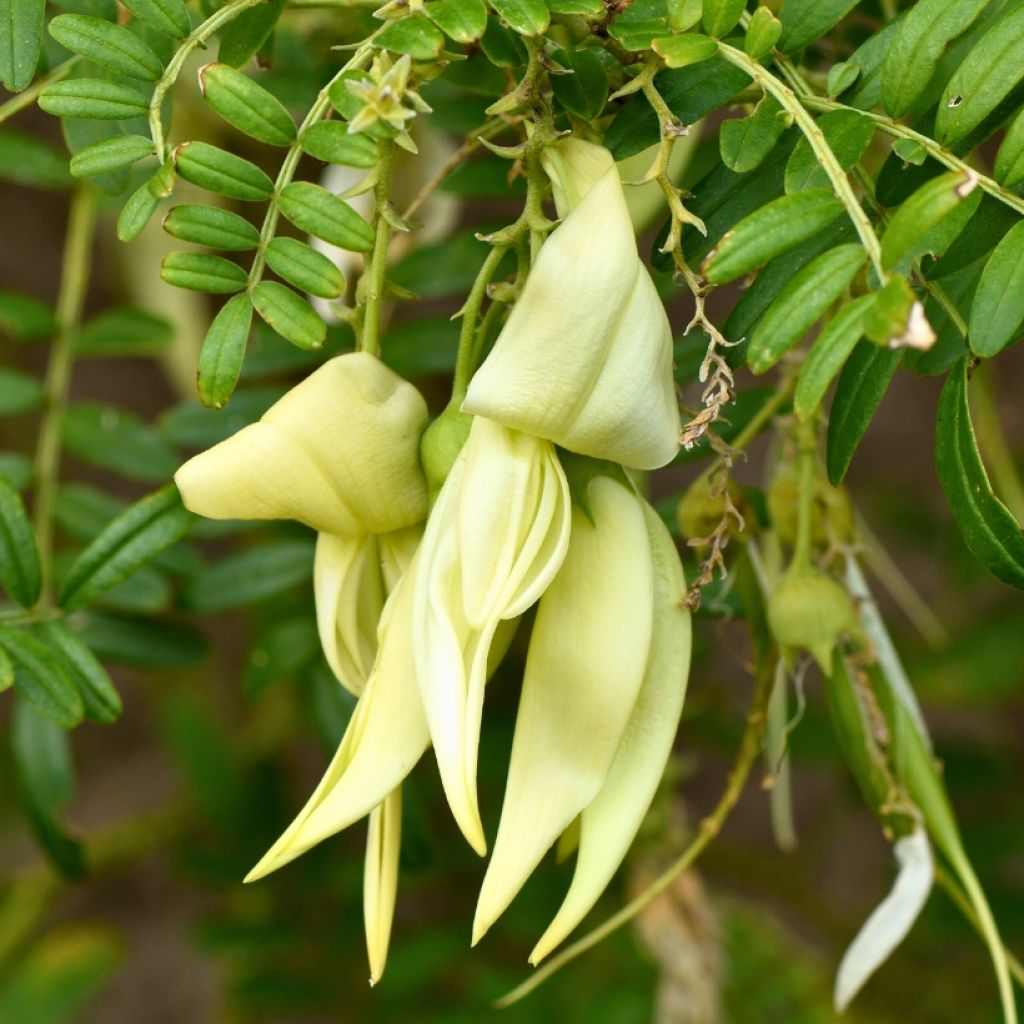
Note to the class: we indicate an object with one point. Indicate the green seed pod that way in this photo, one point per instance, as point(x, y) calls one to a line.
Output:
point(440, 446)
point(809, 611)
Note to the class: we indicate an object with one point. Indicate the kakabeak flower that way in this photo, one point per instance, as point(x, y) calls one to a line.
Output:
point(339, 452)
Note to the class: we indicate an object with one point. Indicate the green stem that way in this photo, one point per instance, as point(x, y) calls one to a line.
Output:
point(819, 145)
point(73, 284)
point(807, 453)
point(465, 361)
point(28, 96)
point(933, 148)
point(373, 277)
point(292, 157)
point(188, 46)
point(746, 756)
point(993, 441)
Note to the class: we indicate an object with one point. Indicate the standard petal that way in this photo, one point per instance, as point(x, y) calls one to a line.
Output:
point(890, 921)
point(339, 452)
point(585, 358)
point(385, 738)
point(380, 879)
point(349, 600)
point(583, 673)
point(611, 821)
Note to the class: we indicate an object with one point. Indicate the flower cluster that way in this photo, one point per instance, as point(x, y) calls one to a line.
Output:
point(537, 508)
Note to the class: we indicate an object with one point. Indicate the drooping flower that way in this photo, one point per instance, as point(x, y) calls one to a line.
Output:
point(602, 695)
point(495, 539)
point(585, 358)
point(339, 452)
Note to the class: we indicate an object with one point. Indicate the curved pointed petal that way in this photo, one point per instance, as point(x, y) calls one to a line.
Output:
point(610, 823)
point(890, 921)
point(501, 522)
point(339, 452)
point(585, 358)
point(583, 674)
point(349, 600)
point(396, 553)
point(385, 738)
point(380, 879)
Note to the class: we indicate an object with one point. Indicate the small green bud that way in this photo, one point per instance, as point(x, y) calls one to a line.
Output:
point(809, 611)
point(699, 512)
point(440, 446)
point(832, 514)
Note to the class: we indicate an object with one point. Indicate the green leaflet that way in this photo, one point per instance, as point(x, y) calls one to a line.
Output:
point(527, 17)
point(289, 314)
point(997, 312)
point(220, 359)
point(106, 44)
point(414, 35)
point(143, 642)
point(20, 573)
point(915, 217)
point(29, 160)
point(315, 210)
point(40, 677)
point(804, 21)
point(222, 172)
point(212, 226)
point(463, 20)
point(763, 33)
point(1009, 169)
point(100, 699)
point(682, 51)
point(990, 531)
point(203, 272)
point(21, 41)
point(746, 142)
point(584, 92)
point(167, 16)
point(782, 224)
point(110, 155)
point(134, 538)
point(250, 576)
point(827, 355)
point(116, 439)
point(805, 298)
point(993, 68)
point(721, 16)
point(45, 781)
point(246, 105)
point(305, 268)
point(123, 331)
point(245, 36)
point(93, 98)
point(863, 382)
point(848, 135)
point(136, 213)
point(332, 142)
point(19, 392)
point(917, 45)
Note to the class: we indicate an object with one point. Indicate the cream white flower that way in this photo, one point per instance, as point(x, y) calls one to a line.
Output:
point(340, 452)
point(494, 541)
point(602, 694)
point(585, 358)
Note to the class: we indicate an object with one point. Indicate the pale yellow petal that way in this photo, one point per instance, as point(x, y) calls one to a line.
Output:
point(385, 738)
point(509, 543)
point(339, 452)
point(349, 601)
point(380, 879)
point(583, 673)
point(585, 358)
point(396, 553)
point(611, 821)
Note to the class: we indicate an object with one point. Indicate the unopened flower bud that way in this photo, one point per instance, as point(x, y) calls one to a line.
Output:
point(809, 611)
